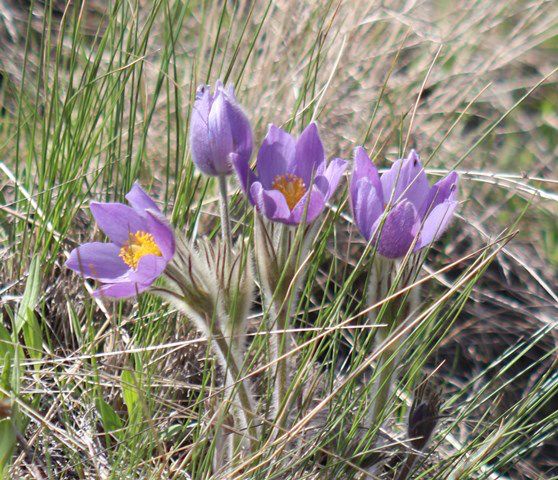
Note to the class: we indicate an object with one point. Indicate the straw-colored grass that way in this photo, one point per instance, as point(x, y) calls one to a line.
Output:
point(98, 94)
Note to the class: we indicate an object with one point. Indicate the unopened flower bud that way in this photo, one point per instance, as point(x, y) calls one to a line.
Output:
point(424, 415)
point(218, 129)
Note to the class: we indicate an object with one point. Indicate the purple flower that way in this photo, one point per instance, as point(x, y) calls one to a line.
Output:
point(142, 246)
point(292, 176)
point(218, 128)
point(416, 210)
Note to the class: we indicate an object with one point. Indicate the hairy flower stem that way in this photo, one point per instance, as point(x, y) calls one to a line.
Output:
point(282, 306)
point(279, 346)
point(279, 252)
point(385, 279)
point(281, 339)
point(246, 431)
point(245, 412)
point(237, 390)
point(224, 211)
point(383, 383)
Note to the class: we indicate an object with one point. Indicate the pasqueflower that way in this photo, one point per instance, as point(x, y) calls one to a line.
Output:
point(142, 244)
point(400, 207)
point(218, 128)
point(292, 181)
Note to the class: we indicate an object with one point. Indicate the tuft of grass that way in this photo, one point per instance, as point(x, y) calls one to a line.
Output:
point(98, 94)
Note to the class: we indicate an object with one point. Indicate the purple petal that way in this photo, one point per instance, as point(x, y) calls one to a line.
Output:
point(97, 260)
point(241, 130)
point(120, 290)
point(245, 175)
point(203, 93)
point(271, 203)
point(275, 155)
point(366, 205)
point(436, 223)
point(140, 200)
point(398, 230)
point(219, 87)
point(117, 220)
point(229, 89)
point(162, 232)
point(407, 180)
point(364, 168)
point(220, 135)
point(310, 204)
point(149, 268)
point(329, 180)
point(200, 142)
point(442, 191)
point(309, 154)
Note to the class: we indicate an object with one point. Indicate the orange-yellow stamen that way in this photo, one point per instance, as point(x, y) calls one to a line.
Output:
point(138, 245)
point(291, 186)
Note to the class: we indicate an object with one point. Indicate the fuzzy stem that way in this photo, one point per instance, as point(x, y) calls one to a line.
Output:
point(383, 275)
point(387, 276)
point(383, 382)
point(224, 211)
point(246, 410)
point(281, 372)
point(280, 340)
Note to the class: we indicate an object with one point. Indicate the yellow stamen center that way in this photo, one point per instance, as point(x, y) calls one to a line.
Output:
point(138, 245)
point(291, 186)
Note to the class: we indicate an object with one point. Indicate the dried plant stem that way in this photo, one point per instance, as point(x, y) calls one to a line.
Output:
point(403, 474)
point(224, 211)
